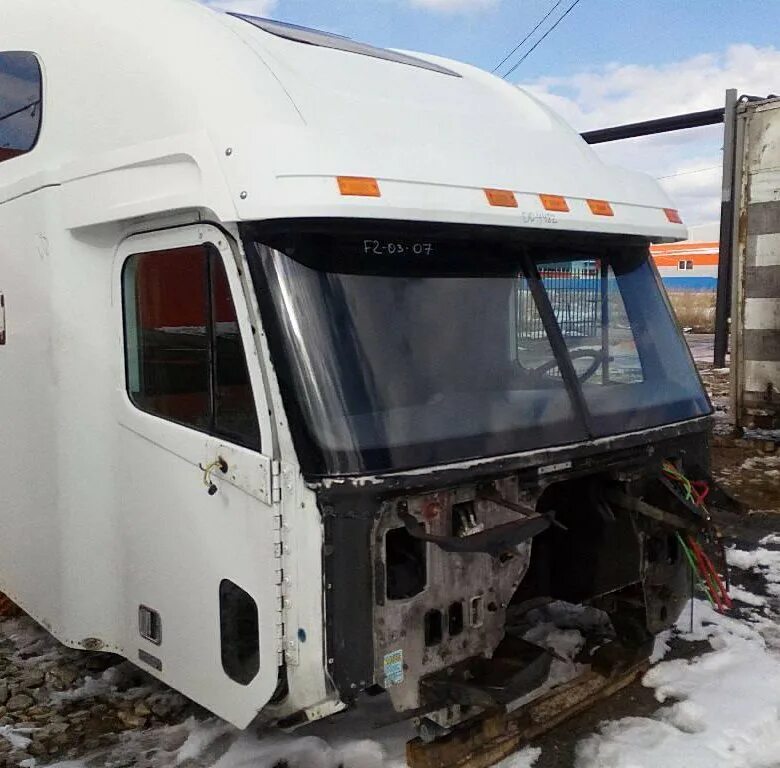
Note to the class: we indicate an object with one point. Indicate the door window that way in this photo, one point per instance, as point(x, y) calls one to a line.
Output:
point(20, 103)
point(184, 355)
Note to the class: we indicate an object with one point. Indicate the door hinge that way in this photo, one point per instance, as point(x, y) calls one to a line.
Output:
point(279, 587)
point(276, 482)
point(286, 644)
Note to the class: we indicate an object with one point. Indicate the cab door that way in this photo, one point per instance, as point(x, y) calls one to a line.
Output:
point(199, 543)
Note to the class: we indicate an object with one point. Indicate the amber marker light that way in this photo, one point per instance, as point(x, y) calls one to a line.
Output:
point(600, 208)
point(554, 203)
point(673, 216)
point(501, 198)
point(358, 186)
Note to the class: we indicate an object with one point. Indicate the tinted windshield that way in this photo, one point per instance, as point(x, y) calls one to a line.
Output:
point(399, 348)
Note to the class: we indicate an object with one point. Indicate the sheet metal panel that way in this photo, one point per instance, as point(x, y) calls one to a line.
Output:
point(756, 333)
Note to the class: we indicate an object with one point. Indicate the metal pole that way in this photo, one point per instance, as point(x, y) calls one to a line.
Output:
point(737, 285)
point(723, 297)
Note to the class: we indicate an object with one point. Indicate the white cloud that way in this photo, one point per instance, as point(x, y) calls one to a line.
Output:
point(453, 5)
point(618, 94)
point(250, 7)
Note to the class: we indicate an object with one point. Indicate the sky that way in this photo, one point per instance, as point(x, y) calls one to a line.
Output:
point(608, 62)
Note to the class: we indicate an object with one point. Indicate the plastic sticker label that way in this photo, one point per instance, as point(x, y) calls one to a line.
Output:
point(555, 468)
point(394, 668)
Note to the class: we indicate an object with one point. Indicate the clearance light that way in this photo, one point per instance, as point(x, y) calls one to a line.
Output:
point(554, 203)
point(600, 208)
point(501, 198)
point(673, 216)
point(358, 186)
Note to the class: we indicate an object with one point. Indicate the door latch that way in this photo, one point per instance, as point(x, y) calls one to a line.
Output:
point(218, 463)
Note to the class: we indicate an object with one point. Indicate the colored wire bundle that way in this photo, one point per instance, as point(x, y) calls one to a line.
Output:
point(704, 572)
point(694, 491)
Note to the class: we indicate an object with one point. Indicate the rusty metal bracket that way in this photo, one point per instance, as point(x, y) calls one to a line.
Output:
point(632, 504)
point(526, 510)
point(494, 541)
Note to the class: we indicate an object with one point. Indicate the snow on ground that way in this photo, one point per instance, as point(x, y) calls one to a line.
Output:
point(722, 709)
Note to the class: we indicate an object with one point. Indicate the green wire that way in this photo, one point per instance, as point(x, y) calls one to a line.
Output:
point(692, 562)
point(705, 581)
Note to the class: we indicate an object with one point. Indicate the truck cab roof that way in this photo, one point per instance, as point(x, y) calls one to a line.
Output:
point(163, 105)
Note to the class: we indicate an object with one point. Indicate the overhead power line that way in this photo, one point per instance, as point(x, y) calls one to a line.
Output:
point(525, 39)
point(688, 173)
point(541, 39)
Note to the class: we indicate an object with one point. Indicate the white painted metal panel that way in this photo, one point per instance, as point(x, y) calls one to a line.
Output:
point(768, 250)
point(755, 347)
point(760, 373)
point(762, 314)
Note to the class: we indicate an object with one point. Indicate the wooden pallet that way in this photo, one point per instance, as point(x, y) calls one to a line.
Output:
point(492, 738)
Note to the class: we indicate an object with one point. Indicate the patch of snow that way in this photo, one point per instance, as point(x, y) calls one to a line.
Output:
point(661, 646)
point(201, 736)
point(762, 434)
point(748, 598)
point(15, 736)
point(724, 711)
point(759, 462)
point(565, 644)
point(772, 538)
point(748, 560)
point(89, 689)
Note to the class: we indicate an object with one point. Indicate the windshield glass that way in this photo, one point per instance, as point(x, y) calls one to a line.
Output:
point(400, 346)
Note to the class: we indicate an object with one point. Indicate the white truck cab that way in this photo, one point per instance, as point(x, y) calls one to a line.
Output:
point(316, 359)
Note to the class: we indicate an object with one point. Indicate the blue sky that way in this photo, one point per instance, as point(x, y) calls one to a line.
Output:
point(608, 62)
point(596, 32)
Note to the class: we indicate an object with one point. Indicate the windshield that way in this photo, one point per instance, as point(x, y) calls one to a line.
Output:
point(400, 346)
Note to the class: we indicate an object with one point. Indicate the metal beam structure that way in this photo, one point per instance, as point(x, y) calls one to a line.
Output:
point(652, 127)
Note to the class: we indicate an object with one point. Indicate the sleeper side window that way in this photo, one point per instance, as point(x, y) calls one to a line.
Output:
point(20, 103)
point(184, 355)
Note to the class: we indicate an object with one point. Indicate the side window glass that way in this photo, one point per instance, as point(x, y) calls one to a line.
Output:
point(184, 356)
point(20, 103)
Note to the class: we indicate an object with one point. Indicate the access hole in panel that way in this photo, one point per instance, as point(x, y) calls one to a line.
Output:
point(476, 611)
point(406, 565)
point(239, 633)
point(455, 619)
point(434, 629)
